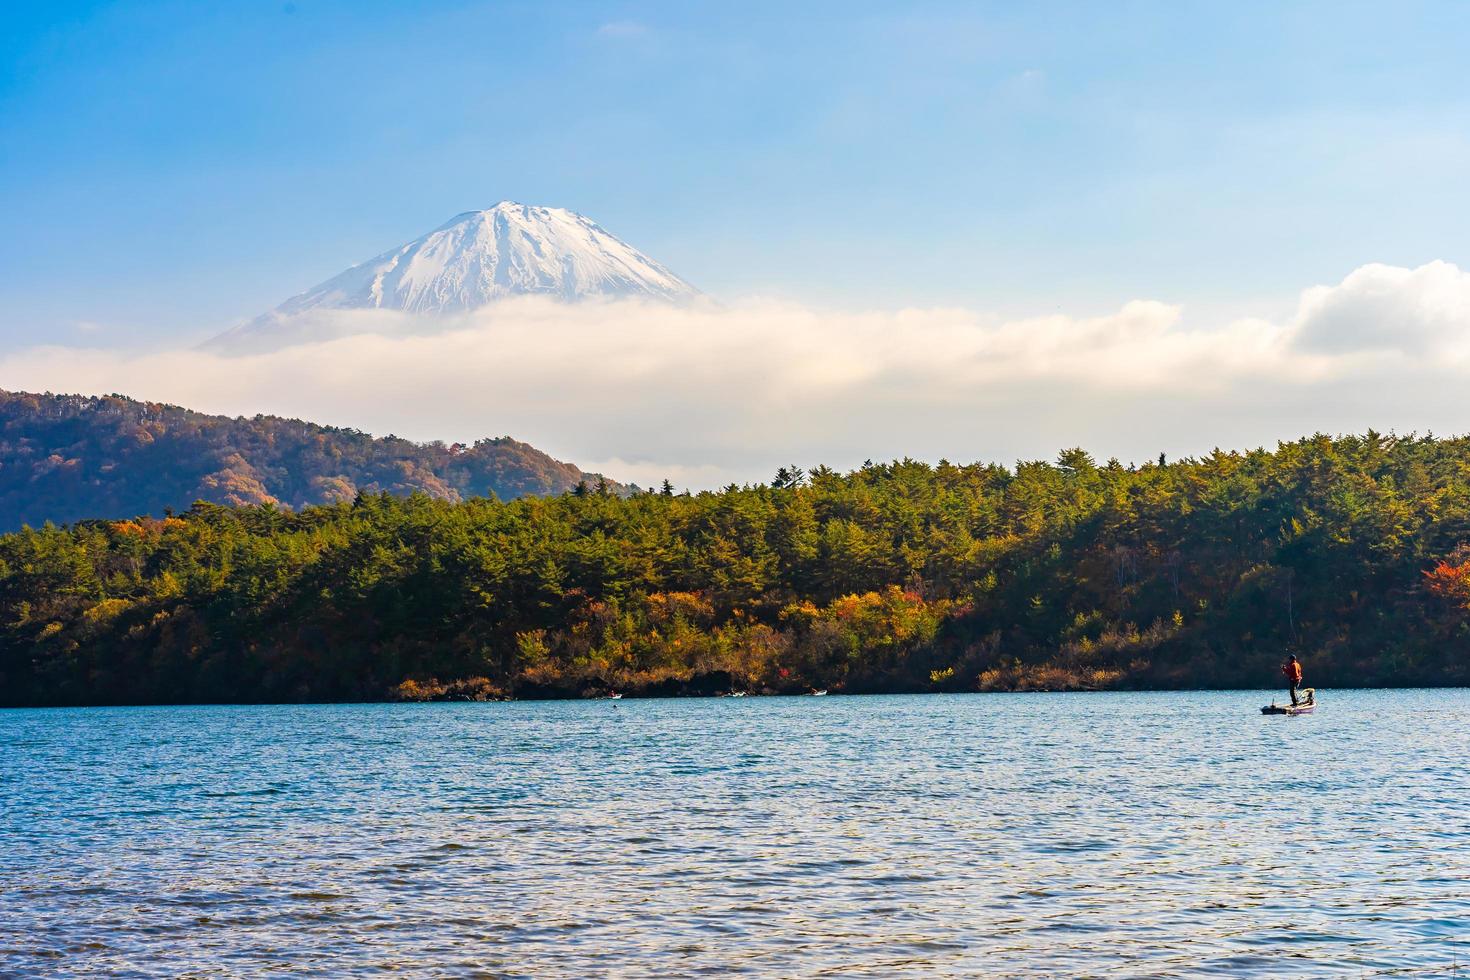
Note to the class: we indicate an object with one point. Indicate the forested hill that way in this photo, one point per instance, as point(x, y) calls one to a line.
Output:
point(68, 457)
point(1353, 553)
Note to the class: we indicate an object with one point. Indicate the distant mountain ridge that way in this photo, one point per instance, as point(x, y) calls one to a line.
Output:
point(65, 458)
point(478, 258)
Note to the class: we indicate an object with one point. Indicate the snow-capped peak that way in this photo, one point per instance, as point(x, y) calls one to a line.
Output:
point(473, 260)
point(480, 256)
point(469, 262)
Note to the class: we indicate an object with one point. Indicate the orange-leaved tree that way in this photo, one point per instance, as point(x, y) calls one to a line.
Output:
point(1450, 579)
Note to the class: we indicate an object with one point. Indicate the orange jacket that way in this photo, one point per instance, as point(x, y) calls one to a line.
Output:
point(1293, 671)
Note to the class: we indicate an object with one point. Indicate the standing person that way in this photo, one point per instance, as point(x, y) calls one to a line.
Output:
point(1293, 671)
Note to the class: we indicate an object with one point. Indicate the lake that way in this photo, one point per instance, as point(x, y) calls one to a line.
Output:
point(1063, 835)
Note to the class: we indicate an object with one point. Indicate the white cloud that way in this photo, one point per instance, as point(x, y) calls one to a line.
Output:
point(622, 29)
point(711, 394)
point(1026, 89)
point(1423, 311)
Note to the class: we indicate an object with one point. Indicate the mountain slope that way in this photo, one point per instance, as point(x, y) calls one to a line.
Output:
point(69, 457)
point(479, 257)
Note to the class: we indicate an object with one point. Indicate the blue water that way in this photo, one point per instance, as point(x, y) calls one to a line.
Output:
point(1108, 835)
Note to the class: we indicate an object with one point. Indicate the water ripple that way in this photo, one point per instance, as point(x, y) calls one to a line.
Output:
point(1118, 835)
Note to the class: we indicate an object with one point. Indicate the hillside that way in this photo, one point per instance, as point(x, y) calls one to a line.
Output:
point(68, 457)
point(1352, 552)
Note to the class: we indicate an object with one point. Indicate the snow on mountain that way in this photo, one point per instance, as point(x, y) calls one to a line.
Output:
point(473, 260)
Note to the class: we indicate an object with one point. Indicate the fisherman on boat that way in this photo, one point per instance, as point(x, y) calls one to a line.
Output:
point(1293, 671)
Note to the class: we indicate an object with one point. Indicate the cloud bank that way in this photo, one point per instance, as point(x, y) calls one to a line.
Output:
point(711, 395)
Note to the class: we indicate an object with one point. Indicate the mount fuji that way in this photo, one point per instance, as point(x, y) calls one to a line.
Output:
point(472, 261)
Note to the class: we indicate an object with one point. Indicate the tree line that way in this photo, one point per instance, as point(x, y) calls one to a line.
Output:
point(1352, 552)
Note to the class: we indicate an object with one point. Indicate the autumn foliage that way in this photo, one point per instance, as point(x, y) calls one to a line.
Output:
point(903, 576)
point(1451, 582)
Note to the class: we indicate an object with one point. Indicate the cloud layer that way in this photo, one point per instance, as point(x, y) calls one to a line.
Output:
point(709, 395)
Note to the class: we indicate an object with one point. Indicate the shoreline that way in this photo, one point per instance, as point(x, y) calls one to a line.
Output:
point(629, 696)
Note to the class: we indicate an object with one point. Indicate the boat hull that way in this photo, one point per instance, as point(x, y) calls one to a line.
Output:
point(1286, 709)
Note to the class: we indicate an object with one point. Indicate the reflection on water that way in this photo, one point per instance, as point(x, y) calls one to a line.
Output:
point(1117, 835)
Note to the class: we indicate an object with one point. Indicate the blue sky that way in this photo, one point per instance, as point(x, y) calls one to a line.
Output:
point(169, 168)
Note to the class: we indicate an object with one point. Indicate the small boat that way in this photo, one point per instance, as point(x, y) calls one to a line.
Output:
point(1287, 709)
point(737, 694)
point(615, 696)
point(1304, 707)
point(819, 694)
